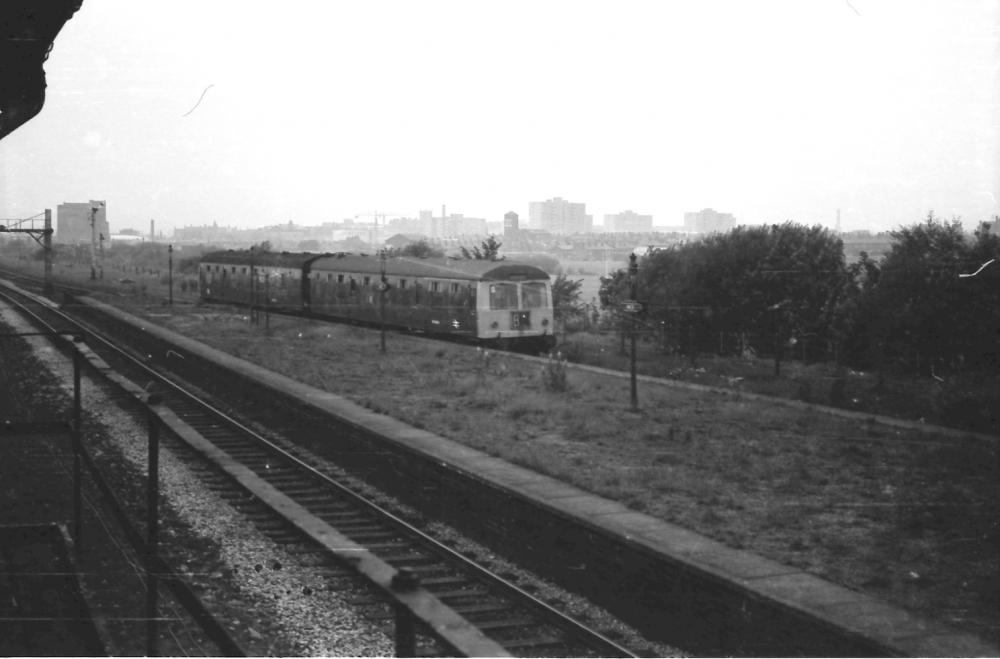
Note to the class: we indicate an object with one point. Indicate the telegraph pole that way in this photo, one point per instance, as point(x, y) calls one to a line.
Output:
point(383, 287)
point(253, 282)
point(633, 307)
point(93, 242)
point(170, 272)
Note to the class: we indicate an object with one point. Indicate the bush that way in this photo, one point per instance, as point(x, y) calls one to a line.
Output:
point(554, 372)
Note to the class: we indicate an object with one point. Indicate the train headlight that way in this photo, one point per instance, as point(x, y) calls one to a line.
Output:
point(545, 322)
point(494, 325)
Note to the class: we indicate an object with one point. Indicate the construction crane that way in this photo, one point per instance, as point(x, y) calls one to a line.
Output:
point(376, 215)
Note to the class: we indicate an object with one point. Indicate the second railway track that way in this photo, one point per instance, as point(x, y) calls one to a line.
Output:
point(302, 508)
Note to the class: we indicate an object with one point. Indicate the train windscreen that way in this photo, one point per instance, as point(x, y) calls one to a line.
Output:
point(534, 295)
point(503, 296)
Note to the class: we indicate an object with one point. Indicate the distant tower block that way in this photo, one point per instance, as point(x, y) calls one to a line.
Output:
point(838, 220)
point(510, 224)
point(152, 230)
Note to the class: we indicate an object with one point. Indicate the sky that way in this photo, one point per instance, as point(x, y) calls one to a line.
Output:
point(251, 113)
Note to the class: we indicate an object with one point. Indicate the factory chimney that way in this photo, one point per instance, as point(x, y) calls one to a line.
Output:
point(152, 230)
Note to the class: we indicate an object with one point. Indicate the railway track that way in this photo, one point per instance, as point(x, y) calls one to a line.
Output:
point(298, 505)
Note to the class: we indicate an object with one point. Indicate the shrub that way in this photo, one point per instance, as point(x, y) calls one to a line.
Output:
point(554, 372)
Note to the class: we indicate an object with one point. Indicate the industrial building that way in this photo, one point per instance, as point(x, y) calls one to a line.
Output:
point(82, 222)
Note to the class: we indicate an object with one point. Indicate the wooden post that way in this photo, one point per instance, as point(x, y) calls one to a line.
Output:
point(633, 271)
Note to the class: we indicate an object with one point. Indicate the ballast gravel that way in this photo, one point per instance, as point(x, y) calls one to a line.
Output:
point(254, 575)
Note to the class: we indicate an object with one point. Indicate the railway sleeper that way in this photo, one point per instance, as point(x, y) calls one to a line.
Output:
point(534, 642)
point(479, 606)
point(455, 598)
point(409, 558)
point(364, 528)
point(459, 585)
point(221, 437)
point(287, 485)
point(301, 491)
point(363, 538)
point(227, 441)
point(328, 500)
point(328, 511)
point(394, 543)
point(252, 459)
point(423, 571)
point(493, 624)
point(213, 432)
point(337, 509)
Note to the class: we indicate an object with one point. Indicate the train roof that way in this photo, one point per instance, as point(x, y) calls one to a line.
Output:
point(397, 266)
point(444, 268)
point(274, 259)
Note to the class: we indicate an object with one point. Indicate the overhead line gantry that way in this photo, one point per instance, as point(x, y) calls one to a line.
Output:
point(42, 236)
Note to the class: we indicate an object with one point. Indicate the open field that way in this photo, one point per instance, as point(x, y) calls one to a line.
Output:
point(907, 516)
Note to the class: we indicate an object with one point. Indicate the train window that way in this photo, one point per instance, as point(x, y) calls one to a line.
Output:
point(402, 284)
point(234, 269)
point(434, 287)
point(503, 296)
point(243, 270)
point(454, 287)
point(368, 281)
point(340, 279)
point(534, 295)
point(329, 276)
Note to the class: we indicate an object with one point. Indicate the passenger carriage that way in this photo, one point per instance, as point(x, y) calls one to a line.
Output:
point(277, 278)
point(487, 300)
point(490, 301)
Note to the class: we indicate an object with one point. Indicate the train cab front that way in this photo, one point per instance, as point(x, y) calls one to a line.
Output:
point(513, 313)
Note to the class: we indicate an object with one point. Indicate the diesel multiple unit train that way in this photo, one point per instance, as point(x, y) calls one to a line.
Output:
point(500, 303)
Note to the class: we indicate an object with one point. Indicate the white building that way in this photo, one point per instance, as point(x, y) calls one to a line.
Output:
point(708, 221)
point(628, 222)
point(558, 215)
point(73, 222)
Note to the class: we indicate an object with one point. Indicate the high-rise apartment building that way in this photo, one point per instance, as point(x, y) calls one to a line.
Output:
point(451, 226)
point(560, 216)
point(73, 222)
point(628, 222)
point(510, 223)
point(708, 221)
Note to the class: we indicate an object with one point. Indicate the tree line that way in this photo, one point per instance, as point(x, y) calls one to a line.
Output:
point(929, 306)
